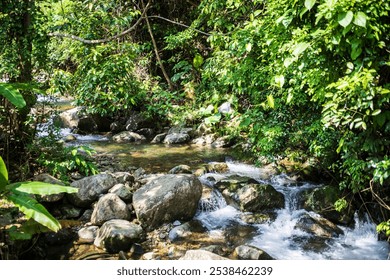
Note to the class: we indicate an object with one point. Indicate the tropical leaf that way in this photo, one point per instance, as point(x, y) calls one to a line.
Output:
point(33, 209)
point(40, 188)
point(360, 19)
point(345, 19)
point(3, 174)
point(12, 94)
point(300, 48)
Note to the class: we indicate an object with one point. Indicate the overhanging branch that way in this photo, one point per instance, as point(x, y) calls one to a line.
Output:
point(105, 40)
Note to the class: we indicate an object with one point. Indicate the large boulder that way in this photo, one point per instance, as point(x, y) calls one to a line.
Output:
point(318, 226)
point(110, 207)
point(70, 118)
point(321, 200)
point(178, 135)
point(166, 199)
point(128, 136)
point(90, 188)
point(118, 235)
point(259, 197)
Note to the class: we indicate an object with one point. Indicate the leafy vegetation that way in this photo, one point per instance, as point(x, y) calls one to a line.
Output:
point(307, 80)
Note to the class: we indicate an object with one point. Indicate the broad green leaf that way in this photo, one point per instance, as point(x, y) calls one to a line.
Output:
point(360, 19)
point(345, 19)
point(3, 174)
point(376, 112)
point(271, 102)
point(309, 4)
point(300, 48)
point(12, 94)
point(32, 209)
point(40, 188)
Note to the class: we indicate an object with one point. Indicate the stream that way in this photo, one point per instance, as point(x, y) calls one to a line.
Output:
point(279, 237)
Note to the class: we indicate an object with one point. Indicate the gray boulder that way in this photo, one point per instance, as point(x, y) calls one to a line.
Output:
point(176, 138)
point(110, 207)
point(90, 188)
point(318, 226)
point(159, 138)
point(70, 118)
point(118, 235)
point(123, 191)
point(167, 198)
point(128, 136)
point(246, 252)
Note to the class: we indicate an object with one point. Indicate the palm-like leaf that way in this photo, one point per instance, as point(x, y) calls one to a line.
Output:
point(32, 209)
point(40, 188)
point(3, 174)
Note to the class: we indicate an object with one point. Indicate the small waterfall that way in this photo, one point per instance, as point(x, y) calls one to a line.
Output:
point(282, 238)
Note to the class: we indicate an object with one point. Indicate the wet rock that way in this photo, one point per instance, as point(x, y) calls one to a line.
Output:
point(146, 132)
point(259, 197)
point(176, 138)
point(218, 167)
point(87, 125)
point(201, 255)
point(257, 218)
point(159, 138)
point(166, 199)
point(110, 207)
point(118, 235)
point(123, 191)
point(246, 252)
point(70, 118)
point(86, 216)
point(234, 182)
point(318, 226)
point(87, 234)
point(321, 200)
point(90, 188)
point(180, 169)
point(128, 136)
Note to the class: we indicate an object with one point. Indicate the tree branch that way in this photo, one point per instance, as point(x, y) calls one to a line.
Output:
point(105, 40)
point(181, 24)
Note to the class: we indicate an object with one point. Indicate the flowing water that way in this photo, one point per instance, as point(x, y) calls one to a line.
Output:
point(281, 238)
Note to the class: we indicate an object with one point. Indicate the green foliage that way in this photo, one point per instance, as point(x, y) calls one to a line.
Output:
point(20, 195)
point(63, 161)
point(384, 227)
point(13, 95)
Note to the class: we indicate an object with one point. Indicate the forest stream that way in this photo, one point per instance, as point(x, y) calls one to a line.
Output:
point(219, 221)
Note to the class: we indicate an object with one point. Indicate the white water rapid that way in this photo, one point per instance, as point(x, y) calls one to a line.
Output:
point(281, 238)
